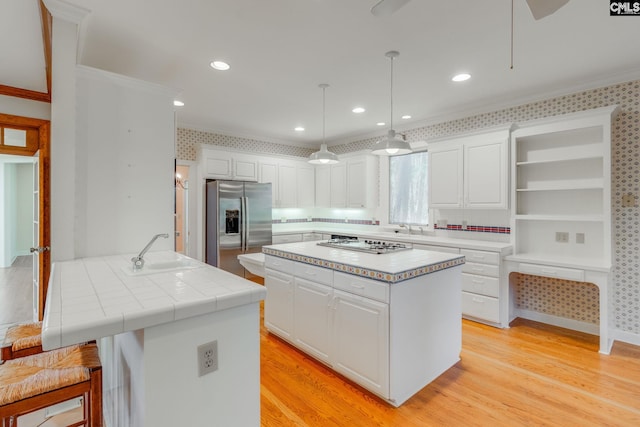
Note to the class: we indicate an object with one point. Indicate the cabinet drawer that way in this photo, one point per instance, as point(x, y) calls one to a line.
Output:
point(279, 264)
point(481, 307)
point(309, 237)
point(549, 271)
point(436, 248)
point(489, 286)
point(360, 286)
point(286, 238)
point(481, 269)
point(481, 257)
point(313, 273)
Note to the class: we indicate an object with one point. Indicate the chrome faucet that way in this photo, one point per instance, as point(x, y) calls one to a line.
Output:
point(138, 261)
point(408, 226)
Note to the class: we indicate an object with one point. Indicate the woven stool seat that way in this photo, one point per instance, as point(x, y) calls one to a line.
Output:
point(22, 340)
point(51, 377)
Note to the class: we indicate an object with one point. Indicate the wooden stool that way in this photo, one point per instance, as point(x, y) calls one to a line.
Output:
point(22, 340)
point(31, 383)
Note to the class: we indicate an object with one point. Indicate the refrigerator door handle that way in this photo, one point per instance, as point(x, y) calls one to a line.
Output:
point(244, 237)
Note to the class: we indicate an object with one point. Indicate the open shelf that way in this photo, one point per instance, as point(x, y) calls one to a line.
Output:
point(538, 217)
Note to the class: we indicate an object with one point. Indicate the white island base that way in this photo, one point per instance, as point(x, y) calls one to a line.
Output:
point(391, 329)
point(153, 378)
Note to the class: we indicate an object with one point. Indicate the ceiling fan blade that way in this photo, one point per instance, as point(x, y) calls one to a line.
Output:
point(541, 8)
point(387, 7)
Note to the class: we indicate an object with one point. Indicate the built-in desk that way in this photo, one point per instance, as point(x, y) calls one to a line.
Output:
point(568, 269)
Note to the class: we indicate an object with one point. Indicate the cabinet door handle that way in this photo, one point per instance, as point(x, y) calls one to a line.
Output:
point(477, 269)
point(478, 256)
point(478, 300)
point(480, 282)
point(310, 272)
point(547, 271)
point(357, 286)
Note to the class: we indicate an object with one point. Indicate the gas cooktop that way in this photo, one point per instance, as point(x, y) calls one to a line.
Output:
point(369, 246)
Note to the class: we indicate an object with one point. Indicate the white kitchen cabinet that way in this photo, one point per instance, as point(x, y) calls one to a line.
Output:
point(287, 187)
point(470, 172)
point(312, 321)
point(353, 183)
point(278, 308)
point(308, 237)
point(293, 182)
point(227, 165)
point(481, 285)
point(323, 186)
point(268, 173)
point(277, 239)
point(305, 185)
point(338, 185)
point(361, 340)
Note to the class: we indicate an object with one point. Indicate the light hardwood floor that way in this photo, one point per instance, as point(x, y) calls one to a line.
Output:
point(16, 291)
point(528, 375)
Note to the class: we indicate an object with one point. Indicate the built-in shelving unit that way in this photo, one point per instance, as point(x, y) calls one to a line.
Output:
point(561, 187)
point(561, 216)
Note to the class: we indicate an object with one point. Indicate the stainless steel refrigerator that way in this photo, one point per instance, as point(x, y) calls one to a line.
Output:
point(238, 221)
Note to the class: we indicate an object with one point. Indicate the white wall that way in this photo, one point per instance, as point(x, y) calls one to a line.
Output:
point(124, 164)
point(25, 107)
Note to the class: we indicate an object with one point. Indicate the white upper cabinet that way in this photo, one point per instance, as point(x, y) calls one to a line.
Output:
point(352, 183)
point(470, 172)
point(293, 182)
point(226, 165)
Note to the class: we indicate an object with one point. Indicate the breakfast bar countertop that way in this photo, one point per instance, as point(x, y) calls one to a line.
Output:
point(95, 297)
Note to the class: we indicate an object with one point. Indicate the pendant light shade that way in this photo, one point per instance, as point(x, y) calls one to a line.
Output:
point(391, 145)
point(324, 156)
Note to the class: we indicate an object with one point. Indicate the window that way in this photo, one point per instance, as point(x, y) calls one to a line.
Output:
point(408, 190)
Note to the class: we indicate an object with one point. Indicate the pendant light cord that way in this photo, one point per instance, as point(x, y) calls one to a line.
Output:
point(324, 109)
point(511, 65)
point(391, 96)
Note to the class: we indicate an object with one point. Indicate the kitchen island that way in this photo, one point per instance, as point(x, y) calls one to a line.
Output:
point(149, 325)
point(390, 322)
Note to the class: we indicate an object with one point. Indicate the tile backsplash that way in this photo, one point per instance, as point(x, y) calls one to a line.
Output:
point(536, 294)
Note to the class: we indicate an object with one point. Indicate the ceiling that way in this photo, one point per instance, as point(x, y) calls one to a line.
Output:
point(280, 50)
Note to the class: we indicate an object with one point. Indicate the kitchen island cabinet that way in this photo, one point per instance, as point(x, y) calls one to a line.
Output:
point(150, 324)
point(389, 322)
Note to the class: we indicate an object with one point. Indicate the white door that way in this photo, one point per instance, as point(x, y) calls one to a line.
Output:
point(35, 248)
point(339, 185)
point(287, 185)
point(361, 341)
point(485, 175)
point(278, 307)
point(445, 177)
point(356, 185)
point(311, 314)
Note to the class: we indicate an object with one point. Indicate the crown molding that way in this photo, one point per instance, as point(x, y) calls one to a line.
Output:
point(66, 11)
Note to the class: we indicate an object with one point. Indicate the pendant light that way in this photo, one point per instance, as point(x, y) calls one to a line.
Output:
point(391, 145)
point(324, 156)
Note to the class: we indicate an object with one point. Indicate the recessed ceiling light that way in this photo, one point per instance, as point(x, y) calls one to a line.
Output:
point(381, 123)
point(358, 110)
point(299, 129)
point(178, 103)
point(461, 77)
point(220, 65)
point(406, 116)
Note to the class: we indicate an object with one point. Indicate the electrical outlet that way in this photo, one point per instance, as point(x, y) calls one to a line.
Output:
point(207, 358)
point(464, 225)
point(579, 237)
point(562, 237)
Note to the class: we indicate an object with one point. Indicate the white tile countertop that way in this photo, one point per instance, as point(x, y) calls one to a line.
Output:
point(91, 298)
point(390, 267)
point(504, 248)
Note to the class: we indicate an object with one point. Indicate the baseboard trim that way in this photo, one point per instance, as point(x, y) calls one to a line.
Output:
point(624, 336)
point(563, 322)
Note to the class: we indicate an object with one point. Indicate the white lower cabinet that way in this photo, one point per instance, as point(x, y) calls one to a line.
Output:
point(481, 285)
point(311, 312)
point(278, 309)
point(348, 332)
point(361, 341)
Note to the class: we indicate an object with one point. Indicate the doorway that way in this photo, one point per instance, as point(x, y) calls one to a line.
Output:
point(29, 138)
